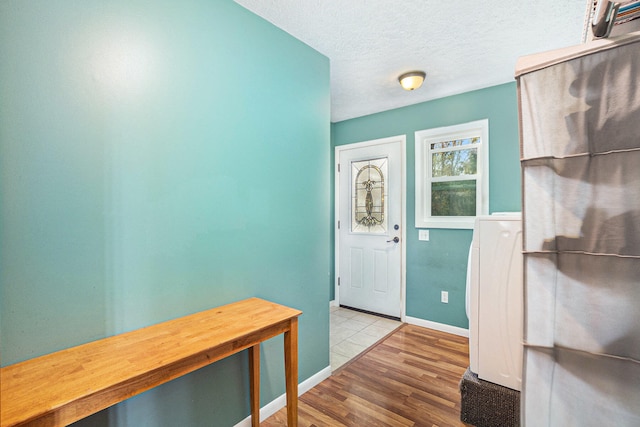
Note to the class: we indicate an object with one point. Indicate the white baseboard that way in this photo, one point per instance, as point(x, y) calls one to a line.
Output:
point(281, 401)
point(438, 326)
point(333, 303)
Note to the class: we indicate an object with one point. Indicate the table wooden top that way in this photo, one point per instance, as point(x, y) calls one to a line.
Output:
point(103, 372)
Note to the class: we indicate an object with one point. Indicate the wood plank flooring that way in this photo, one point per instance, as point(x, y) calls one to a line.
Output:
point(410, 378)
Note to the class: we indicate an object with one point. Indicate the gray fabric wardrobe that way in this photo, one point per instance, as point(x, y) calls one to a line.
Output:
point(580, 154)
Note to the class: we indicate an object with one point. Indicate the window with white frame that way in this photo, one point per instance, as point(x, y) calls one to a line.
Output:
point(452, 175)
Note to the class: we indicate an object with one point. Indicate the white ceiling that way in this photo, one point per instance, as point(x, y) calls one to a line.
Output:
point(462, 45)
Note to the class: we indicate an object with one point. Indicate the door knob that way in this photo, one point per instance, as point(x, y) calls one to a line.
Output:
point(394, 240)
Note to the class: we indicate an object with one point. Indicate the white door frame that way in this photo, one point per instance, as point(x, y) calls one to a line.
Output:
point(403, 206)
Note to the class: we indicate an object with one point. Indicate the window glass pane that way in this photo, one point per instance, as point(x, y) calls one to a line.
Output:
point(368, 208)
point(453, 198)
point(452, 174)
point(454, 143)
point(454, 163)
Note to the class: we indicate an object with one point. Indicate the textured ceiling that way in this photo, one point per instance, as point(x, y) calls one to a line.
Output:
point(462, 45)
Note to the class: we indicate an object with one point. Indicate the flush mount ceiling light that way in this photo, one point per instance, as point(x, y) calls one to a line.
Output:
point(412, 80)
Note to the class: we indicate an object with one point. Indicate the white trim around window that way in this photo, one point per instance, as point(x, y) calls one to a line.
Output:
point(429, 143)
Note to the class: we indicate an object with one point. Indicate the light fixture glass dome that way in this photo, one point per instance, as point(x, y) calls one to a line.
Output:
point(412, 80)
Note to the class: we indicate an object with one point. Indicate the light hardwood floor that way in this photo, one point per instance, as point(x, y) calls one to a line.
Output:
point(410, 378)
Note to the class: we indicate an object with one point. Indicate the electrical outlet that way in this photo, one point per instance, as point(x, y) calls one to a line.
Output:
point(423, 235)
point(444, 297)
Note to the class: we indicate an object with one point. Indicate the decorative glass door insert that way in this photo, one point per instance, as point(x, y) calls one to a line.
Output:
point(368, 210)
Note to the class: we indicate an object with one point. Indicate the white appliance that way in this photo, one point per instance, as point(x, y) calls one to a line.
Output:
point(495, 299)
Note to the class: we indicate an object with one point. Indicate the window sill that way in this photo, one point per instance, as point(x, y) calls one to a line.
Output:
point(448, 222)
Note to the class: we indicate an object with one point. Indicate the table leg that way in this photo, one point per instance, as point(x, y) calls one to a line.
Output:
point(291, 372)
point(254, 380)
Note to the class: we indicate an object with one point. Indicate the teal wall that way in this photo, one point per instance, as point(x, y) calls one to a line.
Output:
point(159, 158)
point(441, 263)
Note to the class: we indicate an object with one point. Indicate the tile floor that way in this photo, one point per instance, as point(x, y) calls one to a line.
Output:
point(352, 332)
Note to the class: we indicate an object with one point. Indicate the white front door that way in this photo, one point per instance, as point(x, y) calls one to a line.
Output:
point(370, 229)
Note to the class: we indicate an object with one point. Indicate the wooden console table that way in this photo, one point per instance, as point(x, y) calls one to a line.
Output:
point(62, 387)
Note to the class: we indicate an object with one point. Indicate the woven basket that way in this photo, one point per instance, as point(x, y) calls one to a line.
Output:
point(486, 404)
